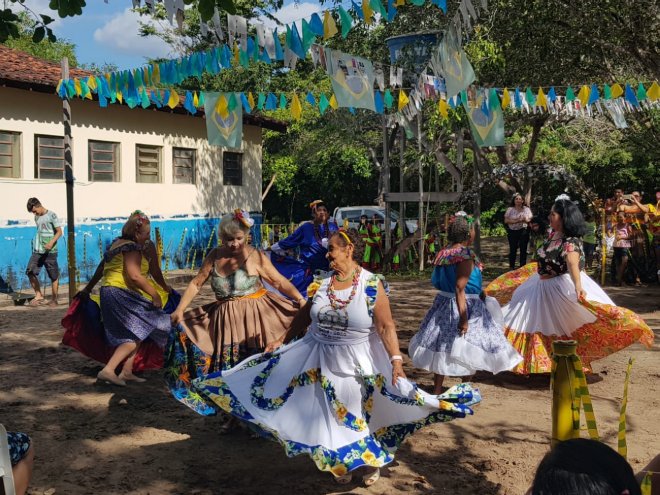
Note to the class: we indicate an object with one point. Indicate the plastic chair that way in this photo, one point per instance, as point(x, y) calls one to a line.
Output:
point(6, 474)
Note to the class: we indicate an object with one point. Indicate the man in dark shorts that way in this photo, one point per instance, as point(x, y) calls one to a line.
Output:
point(44, 250)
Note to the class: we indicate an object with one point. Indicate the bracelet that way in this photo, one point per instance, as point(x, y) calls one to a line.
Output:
point(396, 357)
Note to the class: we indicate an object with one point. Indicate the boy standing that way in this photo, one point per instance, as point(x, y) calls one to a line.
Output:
point(44, 250)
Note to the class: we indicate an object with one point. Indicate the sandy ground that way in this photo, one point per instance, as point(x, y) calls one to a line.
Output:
point(92, 438)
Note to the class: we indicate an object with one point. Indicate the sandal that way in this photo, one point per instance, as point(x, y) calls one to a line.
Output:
point(344, 479)
point(37, 302)
point(371, 477)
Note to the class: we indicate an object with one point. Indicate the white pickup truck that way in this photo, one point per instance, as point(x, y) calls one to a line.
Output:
point(353, 214)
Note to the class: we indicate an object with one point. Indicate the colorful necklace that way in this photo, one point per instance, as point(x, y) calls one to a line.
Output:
point(337, 303)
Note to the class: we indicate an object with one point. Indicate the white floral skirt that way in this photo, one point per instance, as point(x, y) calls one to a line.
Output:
point(334, 402)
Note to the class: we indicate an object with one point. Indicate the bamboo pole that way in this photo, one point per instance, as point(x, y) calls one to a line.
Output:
point(562, 383)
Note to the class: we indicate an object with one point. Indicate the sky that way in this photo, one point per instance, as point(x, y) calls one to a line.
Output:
point(108, 32)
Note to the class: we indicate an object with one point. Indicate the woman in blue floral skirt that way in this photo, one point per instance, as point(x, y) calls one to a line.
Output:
point(21, 454)
point(459, 335)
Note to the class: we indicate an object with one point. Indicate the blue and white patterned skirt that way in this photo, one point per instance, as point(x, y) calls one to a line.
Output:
point(439, 348)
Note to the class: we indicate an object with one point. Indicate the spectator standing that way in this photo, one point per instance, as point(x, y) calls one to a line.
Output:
point(622, 245)
point(44, 250)
point(516, 218)
point(589, 240)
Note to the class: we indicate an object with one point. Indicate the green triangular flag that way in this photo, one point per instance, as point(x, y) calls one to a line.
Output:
point(243, 58)
point(388, 99)
point(570, 95)
point(418, 3)
point(308, 37)
point(641, 92)
point(346, 22)
point(494, 100)
point(200, 101)
point(377, 6)
point(231, 102)
point(529, 96)
point(145, 99)
point(282, 101)
point(323, 103)
point(139, 83)
point(261, 101)
point(607, 92)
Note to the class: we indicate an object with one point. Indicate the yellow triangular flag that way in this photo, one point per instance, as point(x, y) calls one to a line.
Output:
point(617, 90)
point(443, 108)
point(251, 100)
point(367, 11)
point(506, 99)
point(221, 107)
point(173, 101)
point(399, 3)
point(91, 82)
point(653, 93)
point(195, 99)
point(120, 97)
point(155, 77)
point(237, 55)
point(333, 102)
point(76, 84)
point(583, 95)
point(403, 99)
point(541, 100)
point(329, 25)
point(296, 107)
point(59, 85)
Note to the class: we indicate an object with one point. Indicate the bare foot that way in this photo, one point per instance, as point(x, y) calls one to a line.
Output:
point(371, 477)
point(37, 301)
point(52, 303)
point(110, 377)
point(130, 377)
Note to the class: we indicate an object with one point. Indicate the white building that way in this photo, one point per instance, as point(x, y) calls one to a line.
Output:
point(158, 161)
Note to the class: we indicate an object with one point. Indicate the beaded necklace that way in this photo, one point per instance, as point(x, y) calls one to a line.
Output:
point(337, 303)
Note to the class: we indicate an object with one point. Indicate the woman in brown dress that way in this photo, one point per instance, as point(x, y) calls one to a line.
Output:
point(244, 318)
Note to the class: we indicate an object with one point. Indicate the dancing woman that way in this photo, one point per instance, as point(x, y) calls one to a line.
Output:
point(561, 302)
point(339, 394)
point(458, 335)
point(244, 318)
point(311, 239)
point(134, 323)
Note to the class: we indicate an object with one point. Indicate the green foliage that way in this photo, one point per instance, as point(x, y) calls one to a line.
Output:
point(45, 49)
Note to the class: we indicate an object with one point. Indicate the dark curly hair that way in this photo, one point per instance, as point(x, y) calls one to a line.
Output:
point(356, 240)
point(458, 230)
point(571, 218)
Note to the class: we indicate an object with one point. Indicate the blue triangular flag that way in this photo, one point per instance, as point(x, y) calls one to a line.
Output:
point(552, 95)
point(225, 59)
point(251, 45)
point(166, 96)
point(352, 110)
point(279, 53)
point(296, 42)
point(189, 105)
point(316, 25)
point(265, 58)
point(442, 4)
point(271, 102)
point(630, 96)
point(358, 10)
point(246, 103)
point(594, 96)
point(391, 10)
point(378, 102)
point(517, 98)
point(310, 99)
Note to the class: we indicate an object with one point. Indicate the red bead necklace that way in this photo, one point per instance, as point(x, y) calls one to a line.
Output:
point(337, 303)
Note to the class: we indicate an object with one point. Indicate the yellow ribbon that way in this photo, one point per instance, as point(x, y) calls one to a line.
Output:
point(645, 485)
point(622, 445)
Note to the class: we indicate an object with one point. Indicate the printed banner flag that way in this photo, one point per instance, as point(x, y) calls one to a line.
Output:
point(352, 79)
point(486, 119)
point(224, 127)
point(450, 62)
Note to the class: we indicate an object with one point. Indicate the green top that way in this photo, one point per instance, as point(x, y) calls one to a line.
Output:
point(590, 236)
point(46, 226)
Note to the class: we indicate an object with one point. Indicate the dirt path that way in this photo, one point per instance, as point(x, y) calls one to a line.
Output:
point(96, 439)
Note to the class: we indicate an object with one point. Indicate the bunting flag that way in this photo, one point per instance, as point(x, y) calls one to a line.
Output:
point(450, 62)
point(486, 118)
point(296, 107)
point(329, 26)
point(224, 125)
point(352, 79)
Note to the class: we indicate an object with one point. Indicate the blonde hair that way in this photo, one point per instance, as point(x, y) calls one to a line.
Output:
point(136, 220)
point(229, 226)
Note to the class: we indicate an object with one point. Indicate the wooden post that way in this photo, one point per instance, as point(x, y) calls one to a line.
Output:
point(477, 213)
point(420, 222)
point(603, 246)
point(562, 380)
point(68, 177)
point(386, 187)
point(402, 180)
